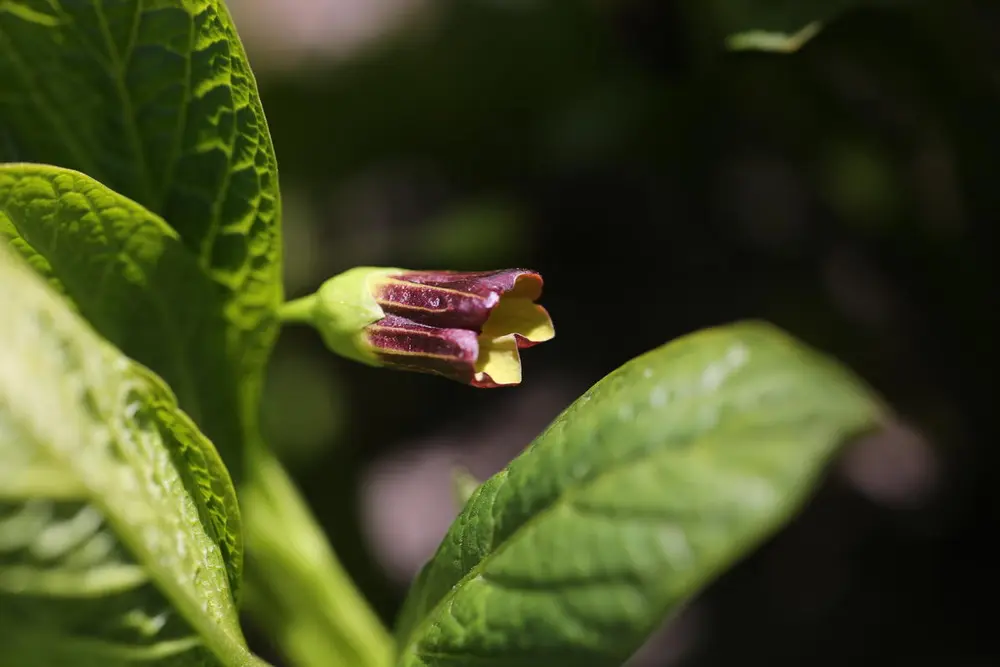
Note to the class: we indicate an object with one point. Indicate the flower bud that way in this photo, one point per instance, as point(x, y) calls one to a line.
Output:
point(465, 326)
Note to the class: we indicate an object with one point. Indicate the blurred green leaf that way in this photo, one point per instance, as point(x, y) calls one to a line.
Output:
point(303, 409)
point(476, 233)
point(777, 25)
point(773, 40)
point(860, 182)
point(655, 480)
point(157, 101)
point(119, 531)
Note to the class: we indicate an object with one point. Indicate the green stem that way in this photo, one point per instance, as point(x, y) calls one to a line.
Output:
point(298, 310)
point(295, 586)
point(254, 661)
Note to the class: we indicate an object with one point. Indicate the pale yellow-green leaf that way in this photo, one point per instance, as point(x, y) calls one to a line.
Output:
point(115, 513)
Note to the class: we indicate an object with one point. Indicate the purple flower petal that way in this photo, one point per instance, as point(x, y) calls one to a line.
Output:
point(452, 299)
point(405, 345)
point(441, 322)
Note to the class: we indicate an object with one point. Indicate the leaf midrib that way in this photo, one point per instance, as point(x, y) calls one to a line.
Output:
point(118, 64)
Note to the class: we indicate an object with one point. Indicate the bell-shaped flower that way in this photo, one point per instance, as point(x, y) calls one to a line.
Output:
point(467, 326)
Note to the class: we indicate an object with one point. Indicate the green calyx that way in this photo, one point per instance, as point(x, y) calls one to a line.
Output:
point(341, 309)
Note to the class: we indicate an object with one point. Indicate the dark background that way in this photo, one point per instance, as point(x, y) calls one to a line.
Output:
point(661, 185)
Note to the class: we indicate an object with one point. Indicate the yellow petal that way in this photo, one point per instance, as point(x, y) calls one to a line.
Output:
point(499, 359)
point(515, 315)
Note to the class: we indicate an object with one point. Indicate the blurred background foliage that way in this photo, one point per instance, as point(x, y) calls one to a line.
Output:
point(661, 184)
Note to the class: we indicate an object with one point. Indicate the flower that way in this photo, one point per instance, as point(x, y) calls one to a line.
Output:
point(467, 326)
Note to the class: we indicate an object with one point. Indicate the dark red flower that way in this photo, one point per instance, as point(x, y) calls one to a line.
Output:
point(464, 326)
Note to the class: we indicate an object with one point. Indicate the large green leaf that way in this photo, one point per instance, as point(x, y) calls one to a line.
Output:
point(156, 100)
point(650, 484)
point(130, 275)
point(119, 530)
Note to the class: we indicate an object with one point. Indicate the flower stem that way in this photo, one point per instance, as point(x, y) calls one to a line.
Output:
point(296, 589)
point(298, 310)
point(254, 661)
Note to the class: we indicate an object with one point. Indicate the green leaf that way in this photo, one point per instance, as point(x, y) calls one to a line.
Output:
point(655, 480)
point(776, 25)
point(130, 276)
point(117, 518)
point(157, 101)
point(463, 485)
